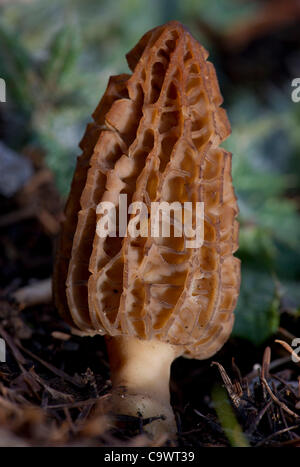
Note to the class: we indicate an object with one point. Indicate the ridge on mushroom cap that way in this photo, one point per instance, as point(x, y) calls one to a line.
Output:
point(156, 137)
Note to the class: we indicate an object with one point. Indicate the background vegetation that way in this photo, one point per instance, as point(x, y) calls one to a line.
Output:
point(56, 58)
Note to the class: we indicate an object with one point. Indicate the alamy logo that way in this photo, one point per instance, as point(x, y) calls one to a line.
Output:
point(296, 92)
point(2, 351)
point(296, 352)
point(2, 90)
point(157, 220)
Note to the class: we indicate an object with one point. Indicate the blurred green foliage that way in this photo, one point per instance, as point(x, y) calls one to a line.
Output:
point(227, 418)
point(265, 170)
point(56, 58)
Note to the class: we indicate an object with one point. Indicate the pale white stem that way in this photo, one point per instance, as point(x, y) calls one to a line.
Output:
point(140, 374)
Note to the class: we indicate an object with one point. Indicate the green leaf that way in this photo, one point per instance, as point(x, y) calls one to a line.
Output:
point(227, 418)
point(63, 54)
point(15, 68)
point(257, 312)
point(290, 297)
point(256, 247)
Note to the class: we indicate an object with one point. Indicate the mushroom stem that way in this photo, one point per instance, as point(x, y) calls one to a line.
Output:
point(140, 374)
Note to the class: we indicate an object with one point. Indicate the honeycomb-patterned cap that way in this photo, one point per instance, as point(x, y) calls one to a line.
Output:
point(155, 138)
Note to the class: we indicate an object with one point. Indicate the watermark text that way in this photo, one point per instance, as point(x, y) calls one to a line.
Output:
point(296, 350)
point(2, 90)
point(2, 351)
point(296, 92)
point(161, 219)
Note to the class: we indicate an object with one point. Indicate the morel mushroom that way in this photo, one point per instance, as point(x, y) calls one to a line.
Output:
point(155, 137)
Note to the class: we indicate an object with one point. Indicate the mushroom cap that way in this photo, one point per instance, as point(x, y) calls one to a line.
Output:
point(155, 137)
